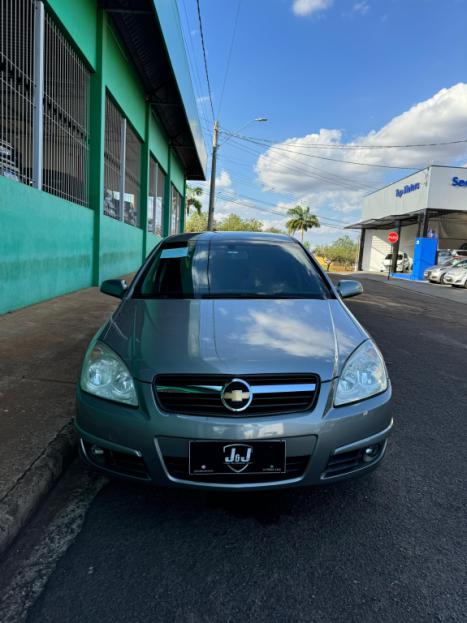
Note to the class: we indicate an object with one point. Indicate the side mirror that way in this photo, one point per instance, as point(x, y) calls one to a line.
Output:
point(349, 287)
point(114, 287)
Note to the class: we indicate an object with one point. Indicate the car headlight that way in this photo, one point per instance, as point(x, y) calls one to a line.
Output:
point(105, 375)
point(364, 375)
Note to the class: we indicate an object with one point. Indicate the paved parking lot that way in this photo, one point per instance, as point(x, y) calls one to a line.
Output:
point(384, 548)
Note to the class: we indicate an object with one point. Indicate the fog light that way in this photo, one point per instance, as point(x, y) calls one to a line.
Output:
point(96, 451)
point(370, 453)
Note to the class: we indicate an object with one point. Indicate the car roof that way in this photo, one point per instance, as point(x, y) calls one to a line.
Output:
point(231, 235)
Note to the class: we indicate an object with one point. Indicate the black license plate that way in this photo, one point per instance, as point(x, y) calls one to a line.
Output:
point(231, 457)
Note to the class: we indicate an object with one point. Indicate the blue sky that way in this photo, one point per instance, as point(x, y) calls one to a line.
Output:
point(327, 72)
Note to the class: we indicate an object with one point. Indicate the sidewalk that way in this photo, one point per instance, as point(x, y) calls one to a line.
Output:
point(41, 352)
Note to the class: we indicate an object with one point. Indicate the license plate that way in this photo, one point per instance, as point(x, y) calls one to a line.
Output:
point(231, 457)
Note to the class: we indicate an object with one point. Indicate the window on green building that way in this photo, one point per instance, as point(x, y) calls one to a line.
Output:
point(156, 197)
point(66, 119)
point(44, 111)
point(16, 84)
point(122, 167)
point(175, 210)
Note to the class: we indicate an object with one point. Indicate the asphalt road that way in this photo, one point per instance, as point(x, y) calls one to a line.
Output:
point(389, 547)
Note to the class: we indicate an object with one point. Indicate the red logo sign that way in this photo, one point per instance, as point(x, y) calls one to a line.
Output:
point(393, 237)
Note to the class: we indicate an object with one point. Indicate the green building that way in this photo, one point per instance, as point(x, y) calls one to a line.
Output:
point(99, 131)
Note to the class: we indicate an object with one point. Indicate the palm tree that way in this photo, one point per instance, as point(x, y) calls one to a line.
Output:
point(301, 219)
point(192, 201)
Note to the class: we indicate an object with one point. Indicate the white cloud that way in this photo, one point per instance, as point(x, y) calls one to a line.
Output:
point(308, 7)
point(223, 180)
point(361, 7)
point(294, 165)
point(335, 190)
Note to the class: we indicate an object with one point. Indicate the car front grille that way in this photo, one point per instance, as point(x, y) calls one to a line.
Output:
point(272, 394)
point(177, 467)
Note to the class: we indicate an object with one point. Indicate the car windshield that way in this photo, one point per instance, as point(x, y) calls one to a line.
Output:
point(389, 256)
point(220, 268)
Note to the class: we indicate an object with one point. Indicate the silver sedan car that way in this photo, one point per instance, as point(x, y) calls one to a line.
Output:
point(233, 363)
point(457, 277)
point(438, 273)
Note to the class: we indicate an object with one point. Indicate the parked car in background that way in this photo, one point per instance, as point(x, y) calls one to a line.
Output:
point(438, 274)
point(443, 256)
point(442, 263)
point(457, 277)
point(461, 251)
point(404, 263)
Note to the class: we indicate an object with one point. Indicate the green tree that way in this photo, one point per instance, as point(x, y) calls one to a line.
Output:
point(343, 251)
point(197, 222)
point(233, 222)
point(274, 230)
point(192, 201)
point(301, 219)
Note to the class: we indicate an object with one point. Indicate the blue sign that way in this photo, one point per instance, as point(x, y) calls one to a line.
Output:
point(408, 188)
point(457, 182)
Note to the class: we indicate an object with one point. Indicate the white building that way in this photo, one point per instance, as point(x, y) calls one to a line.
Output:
point(431, 202)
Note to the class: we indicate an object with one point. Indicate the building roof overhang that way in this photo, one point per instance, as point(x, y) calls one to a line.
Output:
point(151, 34)
point(388, 222)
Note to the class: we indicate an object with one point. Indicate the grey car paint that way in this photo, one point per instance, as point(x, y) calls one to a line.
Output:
point(234, 337)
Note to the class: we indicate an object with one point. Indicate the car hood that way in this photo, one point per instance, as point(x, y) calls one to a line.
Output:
point(235, 337)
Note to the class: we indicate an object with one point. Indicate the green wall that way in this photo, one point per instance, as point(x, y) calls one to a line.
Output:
point(177, 175)
point(49, 246)
point(120, 80)
point(121, 248)
point(78, 17)
point(45, 245)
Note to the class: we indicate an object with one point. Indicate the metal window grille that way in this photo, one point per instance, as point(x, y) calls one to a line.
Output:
point(16, 88)
point(112, 159)
point(175, 211)
point(132, 177)
point(122, 167)
point(156, 197)
point(160, 197)
point(66, 119)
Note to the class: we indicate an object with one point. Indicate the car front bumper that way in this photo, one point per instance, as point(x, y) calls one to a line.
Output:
point(144, 444)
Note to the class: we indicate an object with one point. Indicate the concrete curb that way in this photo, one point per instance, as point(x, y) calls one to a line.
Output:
point(23, 499)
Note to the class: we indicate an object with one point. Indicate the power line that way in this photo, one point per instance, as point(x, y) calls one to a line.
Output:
point(335, 178)
point(293, 151)
point(229, 58)
point(353, 147)
point(205, 58)
point(192, 59)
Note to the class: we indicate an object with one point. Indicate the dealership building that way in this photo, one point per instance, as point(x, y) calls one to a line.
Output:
point(429, 203)
point(99, 132)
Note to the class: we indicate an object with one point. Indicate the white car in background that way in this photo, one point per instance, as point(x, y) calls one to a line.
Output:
point(457, 277)
point(438, 273)
point(404, 263)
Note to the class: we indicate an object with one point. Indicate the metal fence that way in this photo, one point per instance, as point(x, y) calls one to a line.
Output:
point(66, 119)
point(112, 159)
point(176, 207)
point(44, 103)
point(122, 167)
point(16, 88)
point(132, 177)
point(156, 197)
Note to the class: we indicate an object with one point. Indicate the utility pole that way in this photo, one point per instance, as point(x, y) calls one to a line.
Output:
point(212, 189)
